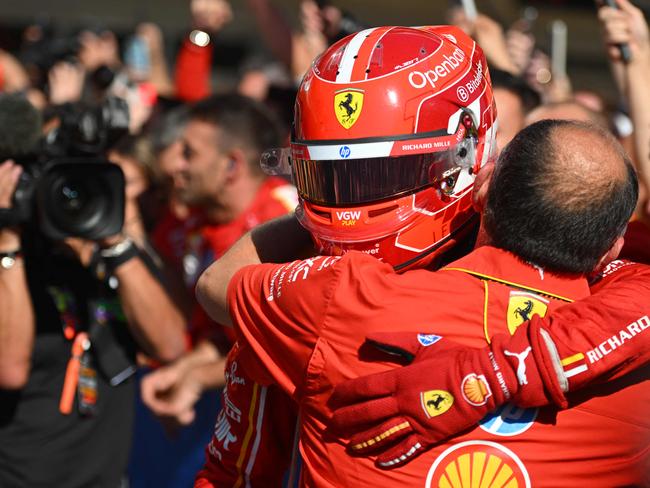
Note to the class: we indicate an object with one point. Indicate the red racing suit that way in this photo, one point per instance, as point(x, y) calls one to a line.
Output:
point(303, 341)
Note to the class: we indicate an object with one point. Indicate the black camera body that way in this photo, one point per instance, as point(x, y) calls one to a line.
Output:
point(71, 198)
point(68, 189)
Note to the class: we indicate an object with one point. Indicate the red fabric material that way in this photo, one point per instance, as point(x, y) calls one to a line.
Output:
point(610, 330)
point(545, 364)
point(253, 437)
point(192, 73)
point(446, 390)
point(305, 321)
point(441, 366)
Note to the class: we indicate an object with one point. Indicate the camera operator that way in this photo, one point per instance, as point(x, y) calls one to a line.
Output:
point(73, 313)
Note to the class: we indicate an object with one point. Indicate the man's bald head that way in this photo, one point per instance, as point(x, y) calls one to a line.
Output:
point(562, 193)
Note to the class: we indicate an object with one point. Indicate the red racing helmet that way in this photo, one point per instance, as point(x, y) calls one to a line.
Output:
point(391, 126)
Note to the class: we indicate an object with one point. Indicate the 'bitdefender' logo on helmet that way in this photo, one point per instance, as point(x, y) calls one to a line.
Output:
point(418, 79)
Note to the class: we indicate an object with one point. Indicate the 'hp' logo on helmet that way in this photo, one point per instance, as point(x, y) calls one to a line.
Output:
point(345, 152)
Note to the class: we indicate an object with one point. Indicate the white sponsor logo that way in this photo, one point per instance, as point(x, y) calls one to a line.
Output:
point(222, 431)
point(349, 215)
point(615, 266)
point(417, 147)
point(294, 271)
point(521, 366)
point(231, 409)
point(461, 93)
point(425, 145)
point(500, 378)
point(302, 269)
point(475, 82)
point(419, 79)
point(275, 286)
point(428, 339)
point(451, 38)
point(617, 340)
point(406, 63)
point(327, 262)
point(231, 375)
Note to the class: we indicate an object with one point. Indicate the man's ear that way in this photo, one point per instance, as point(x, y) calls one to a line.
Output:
point(611, 254)
point(481, 184)
point(235, 163)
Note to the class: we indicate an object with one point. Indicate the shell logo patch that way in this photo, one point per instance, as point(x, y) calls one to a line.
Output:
point(478, 463)
point(476, 390)
point(436, 402)
point(347, 106)
point(522, 306)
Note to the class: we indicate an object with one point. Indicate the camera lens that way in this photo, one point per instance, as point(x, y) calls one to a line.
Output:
point(72, 197)
point(77, 203)
point(81, 199)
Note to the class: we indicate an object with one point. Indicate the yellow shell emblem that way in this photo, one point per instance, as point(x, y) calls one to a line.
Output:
point(347, 106)
point(436, 402)
point(522, 306)
point(476, 390)
point(460, 472)
point(474, 464)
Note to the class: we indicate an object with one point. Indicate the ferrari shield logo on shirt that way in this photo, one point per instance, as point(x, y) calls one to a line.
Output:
point(347, 106)
point(522, 306)
point(436, 402)
point(478, 463)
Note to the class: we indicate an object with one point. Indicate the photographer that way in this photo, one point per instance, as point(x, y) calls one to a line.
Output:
point(73, 313)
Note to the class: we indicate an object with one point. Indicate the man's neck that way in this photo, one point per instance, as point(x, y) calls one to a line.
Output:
point(234, 201)
point(482, 238)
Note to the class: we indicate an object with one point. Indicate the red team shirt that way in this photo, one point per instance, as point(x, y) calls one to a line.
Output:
point(300, 326)
point(191, 245)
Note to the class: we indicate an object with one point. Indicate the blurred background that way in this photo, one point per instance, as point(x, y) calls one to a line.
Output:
point(586, 60)
point(116, 83)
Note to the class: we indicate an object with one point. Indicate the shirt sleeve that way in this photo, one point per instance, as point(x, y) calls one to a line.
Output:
point(279, 311)
point(607, 334)
point(192, 73)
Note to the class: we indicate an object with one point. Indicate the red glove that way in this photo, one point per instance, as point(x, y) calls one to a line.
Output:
point(600, 337)
point(446, 389)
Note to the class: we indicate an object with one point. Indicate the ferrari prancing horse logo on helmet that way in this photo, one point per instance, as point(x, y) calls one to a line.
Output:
point(347, 106)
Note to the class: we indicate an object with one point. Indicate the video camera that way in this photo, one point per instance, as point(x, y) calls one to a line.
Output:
point(67, 188)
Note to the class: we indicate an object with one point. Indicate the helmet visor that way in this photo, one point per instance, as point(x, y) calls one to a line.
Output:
point(357, 181)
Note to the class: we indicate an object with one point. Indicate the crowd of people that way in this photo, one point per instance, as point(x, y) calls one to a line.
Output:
point(430, 269)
